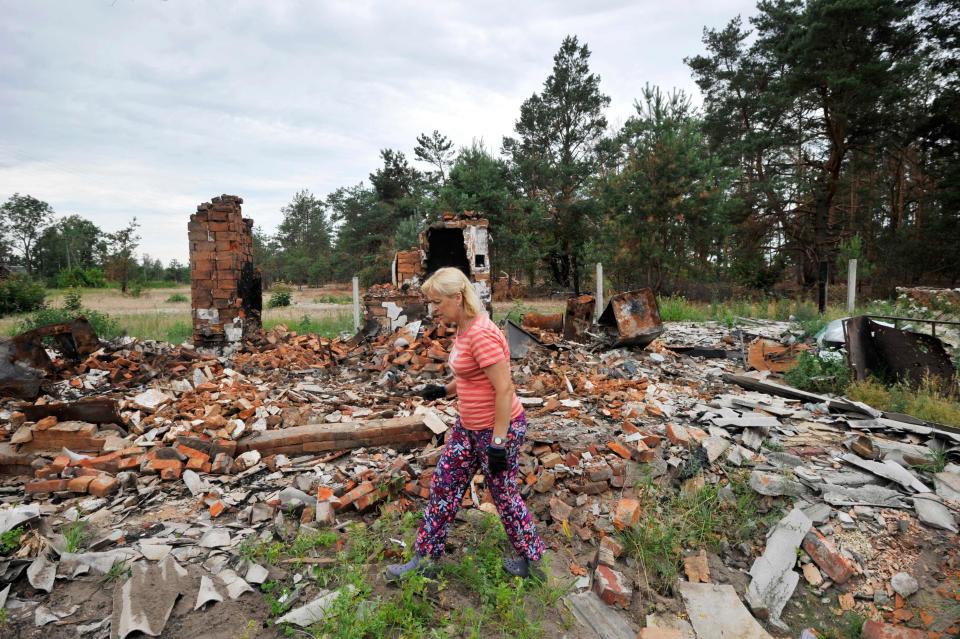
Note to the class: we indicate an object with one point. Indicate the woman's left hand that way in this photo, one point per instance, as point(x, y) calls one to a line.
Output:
point(496, 459)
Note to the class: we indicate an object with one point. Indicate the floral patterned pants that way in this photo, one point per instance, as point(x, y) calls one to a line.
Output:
point(464, 454)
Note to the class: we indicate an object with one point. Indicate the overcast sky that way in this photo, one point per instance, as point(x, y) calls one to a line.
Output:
point(118, 108)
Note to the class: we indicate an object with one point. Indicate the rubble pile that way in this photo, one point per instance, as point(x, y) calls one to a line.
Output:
point(175, 457)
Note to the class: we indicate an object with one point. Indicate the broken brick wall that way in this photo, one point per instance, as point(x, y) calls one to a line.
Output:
point(226, 289)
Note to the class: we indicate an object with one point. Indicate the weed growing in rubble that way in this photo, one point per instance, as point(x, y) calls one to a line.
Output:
point(118, 570)
point(851, 627)
point(74, 535)
point(271, 552)
point(10, 540)
point(936, 462)
point(817, 375)
point(673, 521)
point(499, 605)
point(928, 402)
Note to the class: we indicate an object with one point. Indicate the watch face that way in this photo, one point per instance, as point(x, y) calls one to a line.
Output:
point(498, 440)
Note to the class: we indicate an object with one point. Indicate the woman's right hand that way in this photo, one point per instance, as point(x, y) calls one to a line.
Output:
point(431, 392)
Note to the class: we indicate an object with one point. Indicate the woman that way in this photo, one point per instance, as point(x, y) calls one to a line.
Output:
point(486, 437)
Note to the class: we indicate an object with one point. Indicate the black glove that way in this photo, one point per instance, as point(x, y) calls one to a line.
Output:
point(496, 459)
point(433, 391)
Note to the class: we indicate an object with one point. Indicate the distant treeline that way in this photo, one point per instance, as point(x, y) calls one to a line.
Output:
point(73, 251)
point(829, 130)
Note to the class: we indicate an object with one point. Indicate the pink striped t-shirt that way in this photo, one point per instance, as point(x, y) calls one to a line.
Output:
point(482, 345)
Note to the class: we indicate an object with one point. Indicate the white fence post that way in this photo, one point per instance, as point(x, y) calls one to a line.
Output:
point(599, 306)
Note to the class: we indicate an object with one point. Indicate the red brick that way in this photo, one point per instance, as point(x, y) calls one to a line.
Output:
point(129, 463)
point(217, 508)
point(103, 486)
point(60, 462)
point(108, 462)
point(198, 463)
point(160, 465)
point(611, 544)
point(170, 473)
point(677, 435)
point(45, 423)
point(612, 587)
point(627, 514)
point(825, 555)
point(46, 486)
point(47, 472)
point(877, 630)
point(355, 494)
point(80, 484)
point(619, 448)
point(545, 482)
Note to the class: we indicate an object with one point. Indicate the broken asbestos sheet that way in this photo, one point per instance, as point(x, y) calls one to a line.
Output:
point(716, 612)
point(144, 602)
point(774, 579)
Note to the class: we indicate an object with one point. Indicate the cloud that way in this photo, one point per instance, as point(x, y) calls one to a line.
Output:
point(116, 108)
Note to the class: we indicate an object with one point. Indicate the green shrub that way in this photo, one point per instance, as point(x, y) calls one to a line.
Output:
point(105, 326)
point(819, 375)
point(20, 294)
point(280, 297)
point(81, 277)
point(177, 297)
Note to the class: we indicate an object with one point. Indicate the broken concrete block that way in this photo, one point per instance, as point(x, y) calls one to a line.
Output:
point(714, 447)
point(716, 611)
point(812, 574)
point(659, 633)
point(612, 587)
point(775, 485)
point(826, 555)
point(947, 485)
point(773, 577)
point(904, 584)
point(592, 613)
point(314, 611)
point(932, 512)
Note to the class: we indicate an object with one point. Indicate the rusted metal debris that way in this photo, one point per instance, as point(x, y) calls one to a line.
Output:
point(553, 322)
point(893, 355)
point(771, 355)
point(632, 318)
point(94, 410)
point(579, 317)
point(520, 341)
point(24, 361)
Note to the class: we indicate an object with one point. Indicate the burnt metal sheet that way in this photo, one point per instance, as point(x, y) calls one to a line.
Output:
point(553, 322)
point(579, 316)
point(520, 341)
point(632, 318)
point(24, 361)
point(98, 410)
point(890, 354)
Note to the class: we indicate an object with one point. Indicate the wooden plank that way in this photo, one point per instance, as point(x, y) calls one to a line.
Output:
point(375, 432)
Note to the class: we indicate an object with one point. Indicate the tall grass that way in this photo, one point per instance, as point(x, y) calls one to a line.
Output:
point(928, 402)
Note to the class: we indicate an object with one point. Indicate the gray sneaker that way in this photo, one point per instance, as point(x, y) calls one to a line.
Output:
point(523, 568)
point(419, 564)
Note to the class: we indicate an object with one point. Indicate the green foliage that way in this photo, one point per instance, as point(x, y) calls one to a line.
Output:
point(675, 308)
point(117, 571)
point(928, 402)
point(280, 296)
point(73, 300)
point(271, 552)
point(673, 521)
point(811, 373)
point(325, 326)
point(74, 535)
point(178, 333)
point(10, 540)
point(119, 260)
point(556, 153)
point(408, 234)
point(19, 294)
point(24, 217)
point(851, 627)
point(177, 297)
point(333, 299)
point(91, 277)
point(104, 325)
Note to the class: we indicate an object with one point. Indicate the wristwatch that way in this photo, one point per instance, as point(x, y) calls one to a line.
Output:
point(498, 441)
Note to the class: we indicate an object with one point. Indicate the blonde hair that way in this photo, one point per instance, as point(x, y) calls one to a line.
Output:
point(448, 282)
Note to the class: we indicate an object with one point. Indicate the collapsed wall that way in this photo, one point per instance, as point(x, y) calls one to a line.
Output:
point(226, 290)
